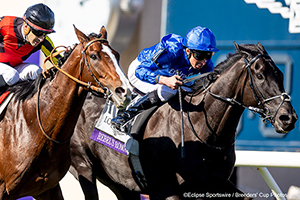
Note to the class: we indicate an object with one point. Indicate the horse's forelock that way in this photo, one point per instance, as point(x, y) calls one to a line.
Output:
point(252, 50)
point(95, 35)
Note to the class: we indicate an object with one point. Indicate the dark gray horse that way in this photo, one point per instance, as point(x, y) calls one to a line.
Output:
point(249, 79)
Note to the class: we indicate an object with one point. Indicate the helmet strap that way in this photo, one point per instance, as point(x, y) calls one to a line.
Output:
point(26, 30)
point(188, 54)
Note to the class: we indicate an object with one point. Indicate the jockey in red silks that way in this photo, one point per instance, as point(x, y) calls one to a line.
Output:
point(153, 72)
point(19, 38)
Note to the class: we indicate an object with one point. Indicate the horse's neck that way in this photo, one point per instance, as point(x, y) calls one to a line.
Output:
point(222, 118)
point(230, 81)
point(68, 88)
point(62, 100)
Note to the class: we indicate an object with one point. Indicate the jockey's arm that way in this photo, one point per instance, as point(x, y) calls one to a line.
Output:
point(47, 47)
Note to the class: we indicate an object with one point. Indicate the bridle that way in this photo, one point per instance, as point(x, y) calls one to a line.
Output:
point(264, 112)
point(105, 91)
point(101, 89)
point(261, 110)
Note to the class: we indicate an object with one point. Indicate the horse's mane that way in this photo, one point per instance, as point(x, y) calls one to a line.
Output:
point(26, 89)
point(231, 58)
point(251, 50)
point(219, 69)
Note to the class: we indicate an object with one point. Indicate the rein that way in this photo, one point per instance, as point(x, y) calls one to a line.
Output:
point(197, 136)
point(40, 123)
point(105, 91)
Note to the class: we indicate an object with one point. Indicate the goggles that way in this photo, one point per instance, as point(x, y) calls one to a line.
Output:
point(38, 33)
point(201, 55)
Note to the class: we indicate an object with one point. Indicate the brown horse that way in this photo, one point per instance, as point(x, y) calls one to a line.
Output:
point(37, 126)
point(249, 79)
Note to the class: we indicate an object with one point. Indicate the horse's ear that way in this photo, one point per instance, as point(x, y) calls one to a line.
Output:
point(81, 36)
point(103, 32)
point(237, 47)
point(261, 47)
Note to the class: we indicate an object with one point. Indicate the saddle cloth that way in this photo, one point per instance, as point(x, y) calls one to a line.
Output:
point(4, 100)
point(120, 141)
point(114, 139)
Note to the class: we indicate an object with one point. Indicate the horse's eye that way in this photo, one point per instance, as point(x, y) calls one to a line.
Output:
point(259, 76)
point(93, 56)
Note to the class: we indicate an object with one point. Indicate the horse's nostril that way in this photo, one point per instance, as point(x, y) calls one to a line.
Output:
point(119, 90)
point(284, 118)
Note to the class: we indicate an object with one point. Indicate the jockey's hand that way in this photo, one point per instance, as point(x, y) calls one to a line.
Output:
point(70, 48)
point(66, 54)
point(172, 82)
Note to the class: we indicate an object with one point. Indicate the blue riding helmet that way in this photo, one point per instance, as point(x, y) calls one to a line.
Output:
point(201, 39)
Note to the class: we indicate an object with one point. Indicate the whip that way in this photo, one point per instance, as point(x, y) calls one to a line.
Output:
point(181, 113)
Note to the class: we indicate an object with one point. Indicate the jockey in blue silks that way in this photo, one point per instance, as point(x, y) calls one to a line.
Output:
point(153, 72)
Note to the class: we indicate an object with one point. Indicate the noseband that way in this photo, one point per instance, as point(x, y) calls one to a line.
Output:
point(262, 110)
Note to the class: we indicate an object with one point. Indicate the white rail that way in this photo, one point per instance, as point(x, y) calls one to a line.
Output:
point(264, 159)
point(268, 159)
